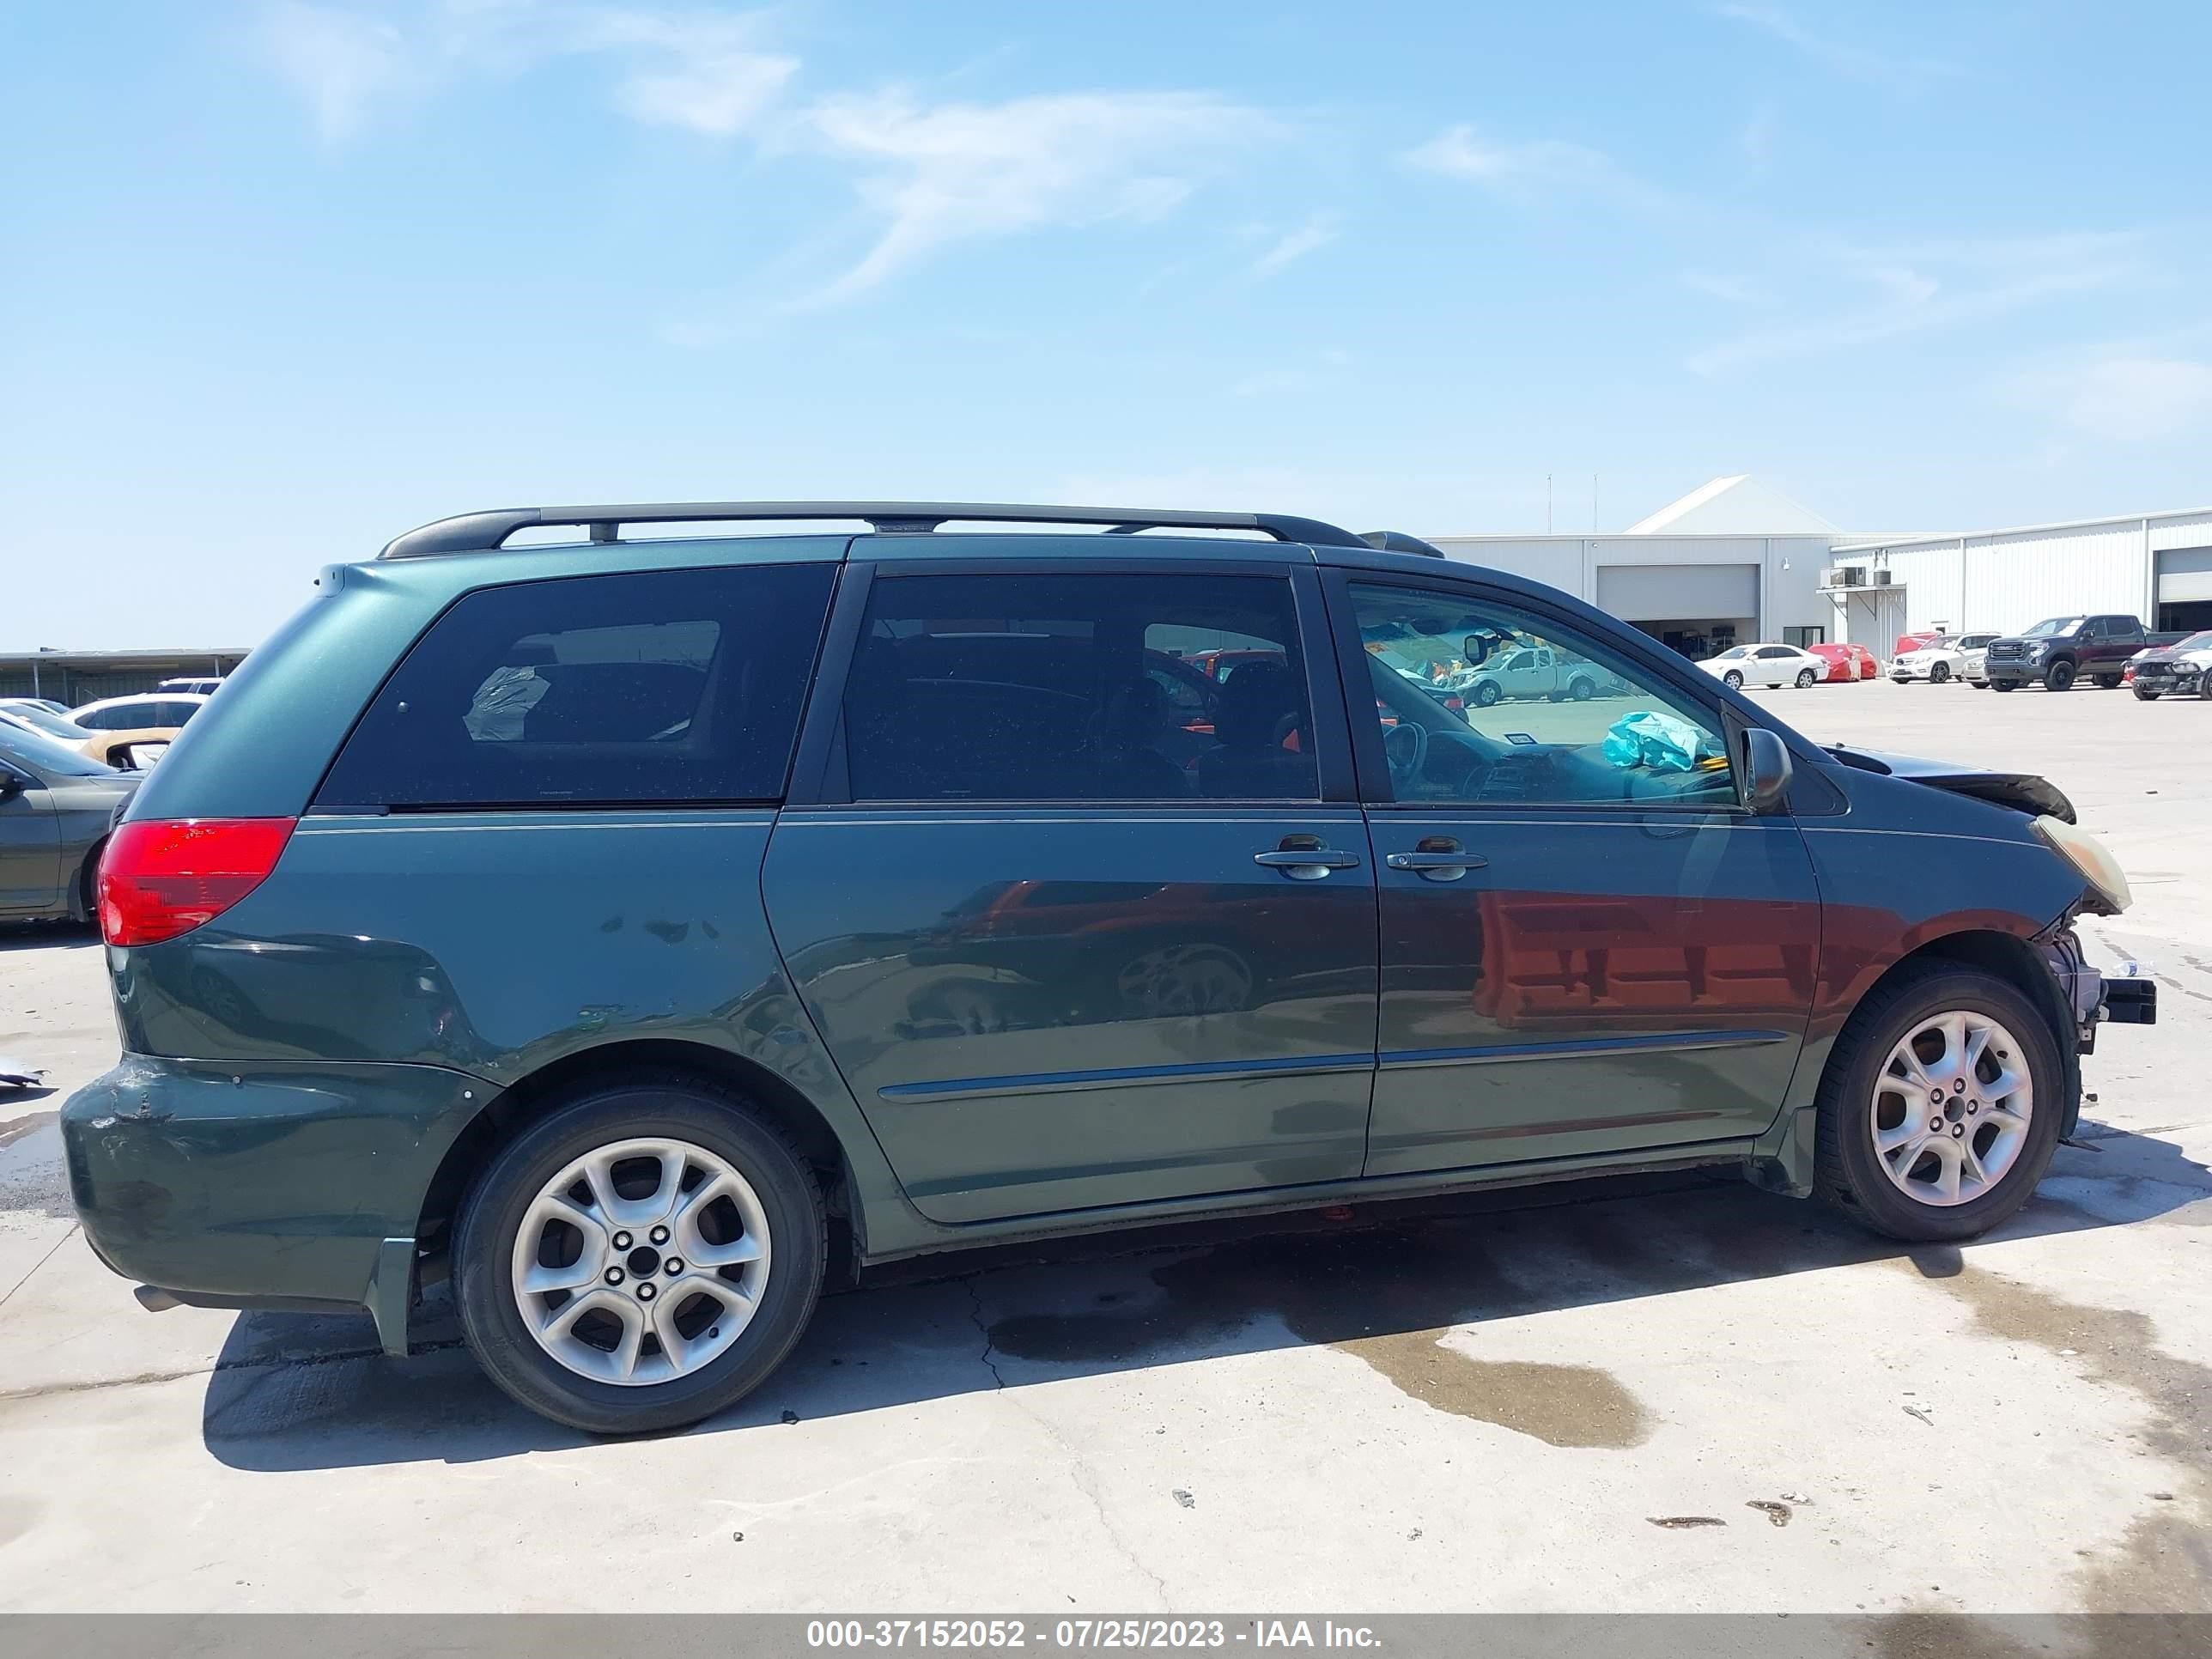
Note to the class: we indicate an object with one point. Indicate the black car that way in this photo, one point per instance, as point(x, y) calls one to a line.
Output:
point(2176, 669)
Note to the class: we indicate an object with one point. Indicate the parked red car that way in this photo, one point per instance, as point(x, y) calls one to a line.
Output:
point(1848, 662)
point(1913, 641)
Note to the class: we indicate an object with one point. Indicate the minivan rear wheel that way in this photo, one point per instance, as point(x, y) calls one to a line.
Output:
point(1940, 1108)
point(640, 1258)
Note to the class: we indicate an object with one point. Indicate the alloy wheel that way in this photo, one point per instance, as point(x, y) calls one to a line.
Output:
point(642, 1261)
point(1951, 1108)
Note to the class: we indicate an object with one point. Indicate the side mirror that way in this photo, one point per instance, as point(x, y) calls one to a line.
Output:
point(1765, 772)
point(12, 783)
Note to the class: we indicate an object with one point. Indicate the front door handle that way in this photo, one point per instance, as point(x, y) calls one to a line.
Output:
point(1303, 858)
point(1437, 858)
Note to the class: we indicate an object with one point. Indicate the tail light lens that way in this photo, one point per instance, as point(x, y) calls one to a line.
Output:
point(165, 877)
point(1457, 705)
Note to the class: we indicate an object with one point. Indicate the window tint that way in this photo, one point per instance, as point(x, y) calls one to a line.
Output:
point(1770, 651)
point(1080, 688)
point(665, 685)
point(1594, 726)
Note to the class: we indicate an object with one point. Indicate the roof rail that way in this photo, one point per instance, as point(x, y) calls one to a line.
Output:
point(1397, 541)
point(480, 532)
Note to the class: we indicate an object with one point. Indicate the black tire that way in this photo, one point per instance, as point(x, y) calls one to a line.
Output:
point(1582, 690)
point(2004, 685)
point(1848, 1172)
point(2146, 696)
point(1806, 678)
point(1487, 694)
point(680, 1107)
point(1733, 680)
point(2109, 682)
point(2204, 686)
point(2059, 676)
point(1939, 673)
point(1979, 685)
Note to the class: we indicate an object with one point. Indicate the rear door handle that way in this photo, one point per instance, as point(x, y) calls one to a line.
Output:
point(1309, 862)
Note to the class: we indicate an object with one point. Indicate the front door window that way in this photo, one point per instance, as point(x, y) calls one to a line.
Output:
point(1540, 717)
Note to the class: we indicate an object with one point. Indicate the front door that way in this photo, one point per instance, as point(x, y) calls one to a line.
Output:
point(30, 845)
point(1588, 946)
point(1073, 940)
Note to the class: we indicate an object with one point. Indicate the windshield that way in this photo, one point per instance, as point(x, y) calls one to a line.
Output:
point(2196, 641)
point(35, 750)
point(1739, 651)
point(2052, 628)
point(46, 720)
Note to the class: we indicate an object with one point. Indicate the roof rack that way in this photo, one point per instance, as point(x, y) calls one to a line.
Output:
point(482, 532)
point(1397, 541)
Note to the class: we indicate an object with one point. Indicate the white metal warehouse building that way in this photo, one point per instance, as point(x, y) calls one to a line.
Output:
point(1734, 561)
point(2157, 566)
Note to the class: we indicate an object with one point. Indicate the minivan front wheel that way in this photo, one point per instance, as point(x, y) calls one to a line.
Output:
point(640, 1258)
point(1940, 1108)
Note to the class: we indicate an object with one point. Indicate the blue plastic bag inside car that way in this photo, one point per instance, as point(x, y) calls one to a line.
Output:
point(1662, 742)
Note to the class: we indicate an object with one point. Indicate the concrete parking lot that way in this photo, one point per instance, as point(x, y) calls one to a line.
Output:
point(1666, 1393)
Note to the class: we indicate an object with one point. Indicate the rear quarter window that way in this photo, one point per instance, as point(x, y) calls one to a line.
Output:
point(661, 686)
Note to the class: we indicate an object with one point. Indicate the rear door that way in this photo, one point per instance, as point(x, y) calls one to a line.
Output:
point(1588, 946)
point(1074, 941)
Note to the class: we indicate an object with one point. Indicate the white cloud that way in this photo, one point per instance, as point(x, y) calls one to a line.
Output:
point(1736, 290)
point(337, 62)
point(1316, 233)
point(2123, 398)
point(704, 71)
point(1932, 287)
point(1543, 169)
point(1856, 62)
point(946, 172)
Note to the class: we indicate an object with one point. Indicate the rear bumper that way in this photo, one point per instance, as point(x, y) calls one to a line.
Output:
point(264, 1185)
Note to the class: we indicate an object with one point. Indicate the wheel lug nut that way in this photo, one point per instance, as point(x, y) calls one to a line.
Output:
point(674, 1265)
point(622, 1241)
point(614, 1275)
point(645, 1292)
point(660, 1235)
point(1957, 1130)
point(1934, 1122)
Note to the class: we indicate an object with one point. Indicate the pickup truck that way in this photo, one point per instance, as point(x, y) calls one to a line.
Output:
point(1531, 670)
point(2059, 650)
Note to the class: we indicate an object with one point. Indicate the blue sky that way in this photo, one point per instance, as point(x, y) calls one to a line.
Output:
point(282, 279)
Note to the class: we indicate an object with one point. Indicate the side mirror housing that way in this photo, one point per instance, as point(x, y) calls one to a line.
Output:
point(1765, 772)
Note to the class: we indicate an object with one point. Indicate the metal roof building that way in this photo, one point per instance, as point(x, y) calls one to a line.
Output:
point(2157, 566)
point(77, 677)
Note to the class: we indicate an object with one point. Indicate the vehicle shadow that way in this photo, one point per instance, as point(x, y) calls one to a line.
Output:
point(293, 1393)
point(47, 935)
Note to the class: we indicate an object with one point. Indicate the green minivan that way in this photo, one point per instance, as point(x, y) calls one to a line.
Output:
point(640, 931)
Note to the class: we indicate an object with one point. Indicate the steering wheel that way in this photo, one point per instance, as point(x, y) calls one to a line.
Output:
point(1405, 747)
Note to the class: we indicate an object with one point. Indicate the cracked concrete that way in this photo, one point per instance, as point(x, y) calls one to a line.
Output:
point(1467, 1406)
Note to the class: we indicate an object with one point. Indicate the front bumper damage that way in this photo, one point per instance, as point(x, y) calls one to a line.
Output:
point(2126, 996)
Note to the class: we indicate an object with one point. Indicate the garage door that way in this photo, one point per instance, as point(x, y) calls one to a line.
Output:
point(2184, 574)
point(1658, 592)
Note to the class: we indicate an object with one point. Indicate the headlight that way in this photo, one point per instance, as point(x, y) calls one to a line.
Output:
point(2090, 856)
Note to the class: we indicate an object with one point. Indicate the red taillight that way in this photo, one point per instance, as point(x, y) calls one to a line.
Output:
point(165, 877)
point(1457, 705)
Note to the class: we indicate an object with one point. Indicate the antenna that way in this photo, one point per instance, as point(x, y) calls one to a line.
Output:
point(1548, 503)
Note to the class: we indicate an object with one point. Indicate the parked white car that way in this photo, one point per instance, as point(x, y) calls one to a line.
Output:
point(1947, 657)
point(1767, 664)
